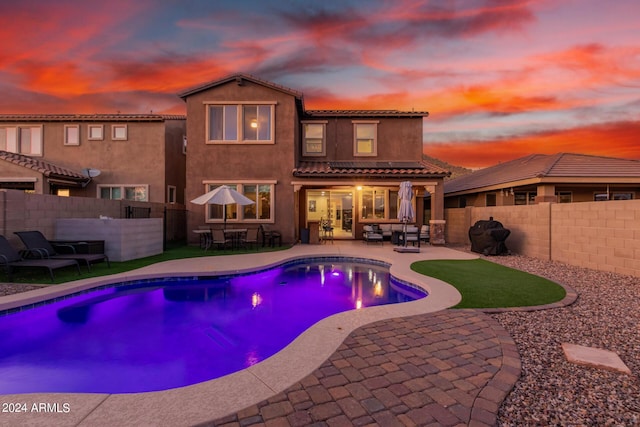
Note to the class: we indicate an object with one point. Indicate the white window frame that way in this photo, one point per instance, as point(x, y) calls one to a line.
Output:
point(385, 192)
point(91, 129)
point(356, 151)
point(171, 194)
point(68, 140)
point(122, 190)
point(14, 143)
point(239, 186)
point(305, 150)
point(240, 137)
point(114, 131)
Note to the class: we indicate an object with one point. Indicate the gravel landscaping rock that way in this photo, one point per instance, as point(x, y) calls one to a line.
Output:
point(553, 391)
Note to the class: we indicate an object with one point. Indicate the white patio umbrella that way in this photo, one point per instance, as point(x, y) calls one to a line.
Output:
point(223, 196)
point(406, 212)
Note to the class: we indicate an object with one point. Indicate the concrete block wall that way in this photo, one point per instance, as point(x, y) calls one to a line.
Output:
point(20, 211)
point(600, 235)
point(457, 225)
point(529, 226)
point(125, 239)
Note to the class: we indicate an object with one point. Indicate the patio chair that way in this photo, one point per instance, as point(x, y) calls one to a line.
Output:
point(11, 258)
point(425, 233)
point(220, 239)
point(206, 239)
point(270, 235)
point(35, 241)
point(369, 235)
point(251, 237)
point(412, 235)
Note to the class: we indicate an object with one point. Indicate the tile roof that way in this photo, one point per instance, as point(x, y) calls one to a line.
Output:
point(538, 166)
point(89, 117)
point(365, 113)
point(46, 168)
point(370, 169)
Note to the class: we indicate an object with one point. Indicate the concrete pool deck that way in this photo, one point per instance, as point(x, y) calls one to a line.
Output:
point(404, 364)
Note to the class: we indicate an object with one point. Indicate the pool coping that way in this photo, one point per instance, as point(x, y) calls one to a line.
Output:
point(219, 397)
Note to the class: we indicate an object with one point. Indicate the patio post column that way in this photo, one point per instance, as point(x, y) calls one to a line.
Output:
point(437, 222)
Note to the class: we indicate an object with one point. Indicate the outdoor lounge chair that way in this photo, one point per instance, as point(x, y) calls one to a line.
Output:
point(36, 242)
point(10, 259)
point(370, 235)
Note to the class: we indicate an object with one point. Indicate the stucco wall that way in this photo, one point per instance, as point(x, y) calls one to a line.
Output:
point(599, 235)
point(243, 162)
point(398, 138)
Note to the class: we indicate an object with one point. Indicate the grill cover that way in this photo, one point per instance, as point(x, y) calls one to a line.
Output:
point(487, 237)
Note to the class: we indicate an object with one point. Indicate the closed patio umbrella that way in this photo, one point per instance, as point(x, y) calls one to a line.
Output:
point(223, 196)
point(406, 212)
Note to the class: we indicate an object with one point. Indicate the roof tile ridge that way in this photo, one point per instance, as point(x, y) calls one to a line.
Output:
point(553, 161)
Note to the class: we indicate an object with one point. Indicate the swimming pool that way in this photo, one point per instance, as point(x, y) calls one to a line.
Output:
point(159, 334)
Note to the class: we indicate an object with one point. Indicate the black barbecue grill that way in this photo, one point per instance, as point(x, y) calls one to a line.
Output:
point(487, 237)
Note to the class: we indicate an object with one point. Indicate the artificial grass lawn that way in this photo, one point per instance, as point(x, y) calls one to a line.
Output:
point(62, 275)
point(484, 284)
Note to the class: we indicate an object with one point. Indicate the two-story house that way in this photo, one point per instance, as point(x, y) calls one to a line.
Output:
point(303, 166)
point(115, 156)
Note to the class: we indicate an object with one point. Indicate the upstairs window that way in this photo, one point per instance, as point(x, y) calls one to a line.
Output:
point(95, 132)
point(240, 123)
point(365, 138)
point(25, 140)
point(71, 135)
point(119, 132)
point(314, 140)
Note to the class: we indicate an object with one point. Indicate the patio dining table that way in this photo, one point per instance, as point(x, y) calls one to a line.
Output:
point(235, 235)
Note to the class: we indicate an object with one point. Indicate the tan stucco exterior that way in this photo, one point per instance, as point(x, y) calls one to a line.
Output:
point(242, 162)
point(399, 139)
point(151, 154)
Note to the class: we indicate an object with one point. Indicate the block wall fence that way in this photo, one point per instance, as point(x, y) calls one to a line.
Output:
point(598, 235)
point(21, 211)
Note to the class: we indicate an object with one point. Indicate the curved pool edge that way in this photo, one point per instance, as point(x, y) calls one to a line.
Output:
point(219, 397)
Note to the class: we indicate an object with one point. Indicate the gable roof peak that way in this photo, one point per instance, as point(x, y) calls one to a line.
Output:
point(239, 78)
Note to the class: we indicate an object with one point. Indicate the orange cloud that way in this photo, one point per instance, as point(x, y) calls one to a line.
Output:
point(610, 140)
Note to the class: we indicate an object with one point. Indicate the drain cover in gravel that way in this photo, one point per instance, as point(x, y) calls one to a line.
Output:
point(594, 357)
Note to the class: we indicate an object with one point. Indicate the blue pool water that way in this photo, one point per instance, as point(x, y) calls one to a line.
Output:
point(156, 335)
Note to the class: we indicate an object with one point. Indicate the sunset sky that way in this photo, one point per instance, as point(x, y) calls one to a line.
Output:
point(500, 79)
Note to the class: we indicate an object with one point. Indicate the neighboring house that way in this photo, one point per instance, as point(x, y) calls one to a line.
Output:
point(113, 156)
point(300, 166)
point(561, 178)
